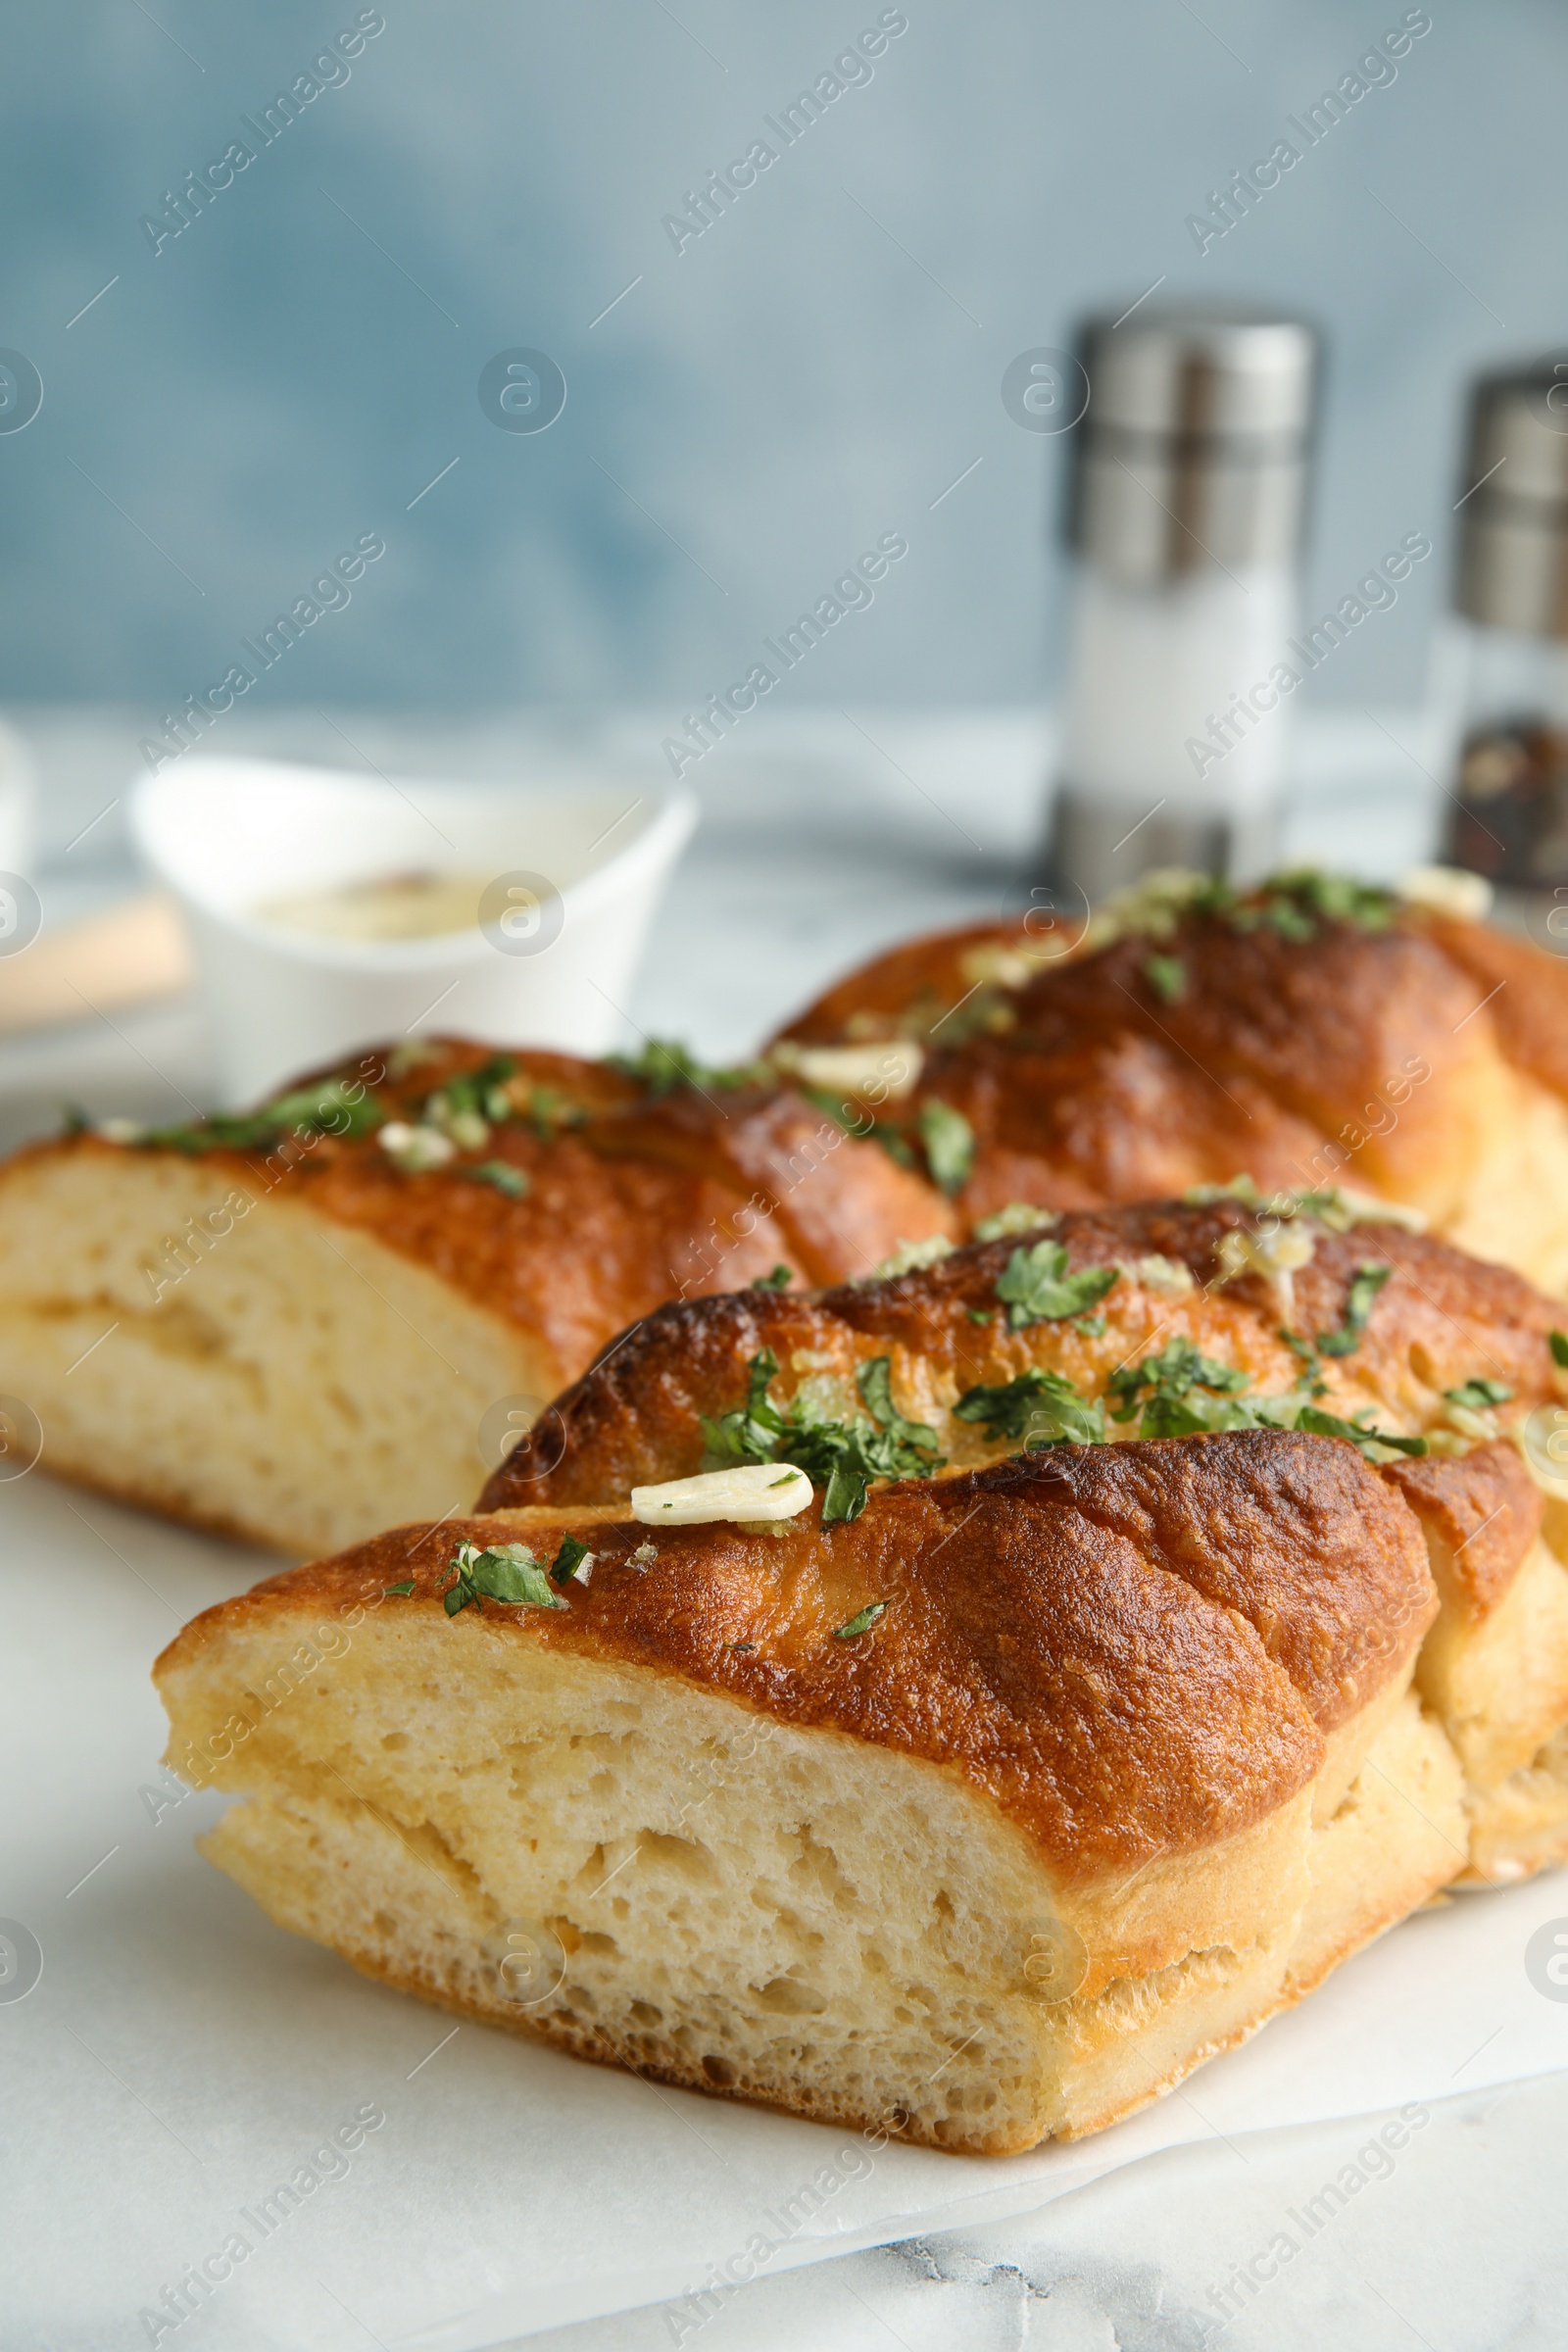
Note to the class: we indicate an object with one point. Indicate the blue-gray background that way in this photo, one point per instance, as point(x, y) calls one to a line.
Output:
point(811, 372)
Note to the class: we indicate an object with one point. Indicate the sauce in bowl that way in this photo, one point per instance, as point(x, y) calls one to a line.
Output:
point(416, 904)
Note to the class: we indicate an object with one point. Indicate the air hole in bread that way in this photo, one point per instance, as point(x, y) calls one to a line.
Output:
point(782, 1996)
point(679, 1855)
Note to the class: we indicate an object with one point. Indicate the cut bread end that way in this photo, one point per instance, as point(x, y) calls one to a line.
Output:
point(243, 1363)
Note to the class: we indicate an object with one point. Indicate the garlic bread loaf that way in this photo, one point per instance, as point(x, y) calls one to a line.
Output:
point(1310, 1031)
point(984, 1814)
point(297, 1324)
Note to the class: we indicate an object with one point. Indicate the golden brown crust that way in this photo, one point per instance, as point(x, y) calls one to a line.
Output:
point(839, 1205)
point(1367, 1052)
point(1116, 1116)
point(1131, 1650)
point(1313, 1022)
point(1440, 1319)
point(915, 987)
point(1485, 1511)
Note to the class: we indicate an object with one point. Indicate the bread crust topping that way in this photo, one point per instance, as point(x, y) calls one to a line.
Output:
point(1433, 1320)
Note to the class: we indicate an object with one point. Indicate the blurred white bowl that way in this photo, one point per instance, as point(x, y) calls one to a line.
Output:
point(577, 873)
point(18, 797)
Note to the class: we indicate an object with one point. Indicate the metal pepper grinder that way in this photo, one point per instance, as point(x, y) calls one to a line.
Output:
point(1186, 516)
point(1507, 654)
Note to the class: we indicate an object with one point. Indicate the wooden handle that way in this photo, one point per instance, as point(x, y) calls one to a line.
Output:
point(130, 954)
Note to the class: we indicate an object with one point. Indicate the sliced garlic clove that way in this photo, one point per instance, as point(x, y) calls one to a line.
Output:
point(754, 1491)
point(886, 1069)
point(414, 1150)
point(1169, 1277)
point(1447, 890)
point(1368, 1208)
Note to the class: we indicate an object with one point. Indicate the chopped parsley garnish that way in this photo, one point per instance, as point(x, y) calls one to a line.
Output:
point(981, 1314)
point(1295, 904)
point(1338, 897)
point(949, 1141)
point(846, 1117)
point(862, 1622)
point(1037, 1288)
point(1292, 904)
point(569, 1561)
point(1359, 1301)
point(1180, 1391)
point(321, 1110)
point(1307, 1356)
point(1557, 1342)
point(664, 1063)
point(1329, 1425)
point(548, 1111)
point(1038, 1409)
point(779, 1280)
point(840, 1456)
point(501, 1174)
point(844, 1456)
point(875, 1384)
point(478, 1093)
point(1167, 977)
point(1280, 915)
point(1328, 1205)
point(895, 1145)
point(398, 1591)
point(1478, 1394)
point(844, 1480)
point(504, 1572)
point(748, 1432)
point(327, 1107)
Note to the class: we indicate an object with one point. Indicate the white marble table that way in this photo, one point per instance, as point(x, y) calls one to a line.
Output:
point(826, 835)
point(1460, 2247)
